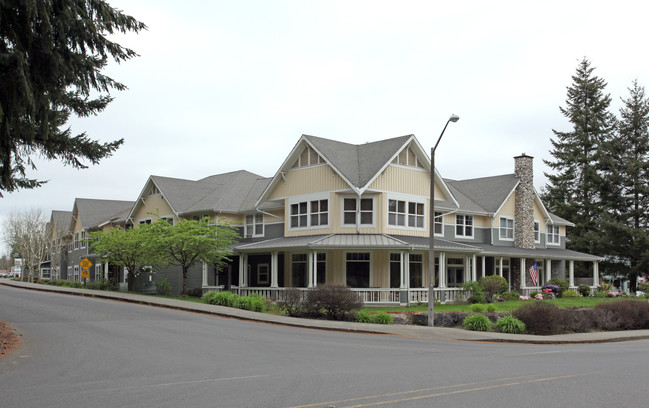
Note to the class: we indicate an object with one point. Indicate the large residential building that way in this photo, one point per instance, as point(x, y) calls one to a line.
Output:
point(359, 215)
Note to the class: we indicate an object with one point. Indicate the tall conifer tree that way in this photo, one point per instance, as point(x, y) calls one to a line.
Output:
point(573, 189)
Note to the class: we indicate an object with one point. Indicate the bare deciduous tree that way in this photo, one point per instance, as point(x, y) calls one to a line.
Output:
point(27, 233)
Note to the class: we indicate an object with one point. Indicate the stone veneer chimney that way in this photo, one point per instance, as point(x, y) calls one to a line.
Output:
point(524, 202)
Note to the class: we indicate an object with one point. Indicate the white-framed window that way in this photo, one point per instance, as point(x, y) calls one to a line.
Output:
point(46, 273)
point(552, 235)
point(405, 213)
point(263, 274)
point(537, 231)
point(76, 273)
point(76, 240)
point(506, 228)
point(145, 221)
point(311, 213)
point(358, 211)
point(98, 275)
point(463, 225)
point(254, 225)
point(83, 239)
point(299, 270)
point(439, 223)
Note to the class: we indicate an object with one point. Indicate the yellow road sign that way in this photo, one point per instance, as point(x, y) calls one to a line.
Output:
point(85, 264)
point(85, 274)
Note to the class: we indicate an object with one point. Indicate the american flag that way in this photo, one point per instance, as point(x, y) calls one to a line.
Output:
point(534, 274)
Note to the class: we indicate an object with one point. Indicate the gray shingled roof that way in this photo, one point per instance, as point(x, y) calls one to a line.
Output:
point(486, 193)
point(546, 253)
point(95, 212)
point(358, 163)
point(61, 220)
point(233, 192)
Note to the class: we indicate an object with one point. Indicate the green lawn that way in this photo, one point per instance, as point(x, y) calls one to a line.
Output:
point(501, 307)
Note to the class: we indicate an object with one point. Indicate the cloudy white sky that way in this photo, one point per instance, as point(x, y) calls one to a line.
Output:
point(228, 85)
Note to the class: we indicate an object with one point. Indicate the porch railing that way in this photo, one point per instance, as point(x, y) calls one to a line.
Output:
point(367, 295)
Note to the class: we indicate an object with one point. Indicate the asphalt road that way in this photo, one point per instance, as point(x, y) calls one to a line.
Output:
point(85, 352)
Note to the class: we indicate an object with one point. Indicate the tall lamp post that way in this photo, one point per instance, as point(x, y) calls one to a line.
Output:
point(431, 245)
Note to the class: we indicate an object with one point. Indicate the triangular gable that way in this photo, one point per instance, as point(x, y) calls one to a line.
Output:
point(94, 212)
point(357, 165)
point(150, 187)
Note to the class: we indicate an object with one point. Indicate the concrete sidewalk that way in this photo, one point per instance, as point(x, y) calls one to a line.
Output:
point(422, 332)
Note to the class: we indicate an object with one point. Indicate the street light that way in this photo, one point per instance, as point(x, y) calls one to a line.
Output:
point(431, 245)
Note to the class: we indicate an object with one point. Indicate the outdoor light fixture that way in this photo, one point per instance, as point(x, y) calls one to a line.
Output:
point(431, 250)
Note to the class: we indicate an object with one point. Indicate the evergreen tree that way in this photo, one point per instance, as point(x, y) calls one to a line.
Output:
point(573, 190)
point(52, 53)
point(626, 188)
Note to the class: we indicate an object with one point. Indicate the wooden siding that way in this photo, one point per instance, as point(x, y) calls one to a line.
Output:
point(406, 180)
point(152, 204)
point(308, 180)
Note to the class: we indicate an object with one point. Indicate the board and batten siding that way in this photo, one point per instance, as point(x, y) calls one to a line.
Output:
point(308, 180)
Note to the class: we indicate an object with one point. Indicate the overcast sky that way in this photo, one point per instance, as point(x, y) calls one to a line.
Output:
point(227, 85)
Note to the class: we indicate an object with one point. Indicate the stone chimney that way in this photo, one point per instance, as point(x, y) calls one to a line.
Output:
point(524, 202)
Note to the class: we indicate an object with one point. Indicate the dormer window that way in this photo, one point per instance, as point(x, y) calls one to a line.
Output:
point(308, 157)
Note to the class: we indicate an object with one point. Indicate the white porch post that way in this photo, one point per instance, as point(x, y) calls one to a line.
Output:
point(548, 270)
point(443, 279)
point(273, 269)
point(484, 263)
point(204, 274)
point(474, 268)
point(105, 271)
point(500, 269)
point(571, 273)
point(243, 268)
point(523, 285)
point(309, 270)
point(467, 268)
point(406, 267)
point(402, 270)
point(595, 273)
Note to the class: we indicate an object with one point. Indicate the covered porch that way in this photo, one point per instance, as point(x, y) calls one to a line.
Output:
point(388, 269)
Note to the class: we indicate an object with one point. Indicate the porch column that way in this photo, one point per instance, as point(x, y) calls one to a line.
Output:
point(595, 273)
point(273, 269)
point(484, 263)
point(243, 268)
point(571, 273)
point(548, 270)
point(474, 268)
point(500, 269)
point(467, 268)
point(523, 285)
point(442, 270)
point(105, 271)
point(402, 270)
point(311, 268)
point(406, 267)
point(204, 274)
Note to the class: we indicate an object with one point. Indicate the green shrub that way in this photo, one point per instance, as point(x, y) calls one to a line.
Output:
point(511, 295)
point(599, 294)
point(477, 308)
point(473, 292)
point(510, 324)
point(382, 318)
point(644, 287)
point(533, 294)
point(77, 285)
point(254, 302)
point(491, 308)
point(477, 322)
point(363, 317)
point(492, 285)
point(570, 294)
point(583, 290)
point(225, 298)
point(646, 295)
point(162, 287)
point(194, 292)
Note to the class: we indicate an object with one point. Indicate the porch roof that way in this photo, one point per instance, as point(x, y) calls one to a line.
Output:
point(354, 241)
point(544, 253)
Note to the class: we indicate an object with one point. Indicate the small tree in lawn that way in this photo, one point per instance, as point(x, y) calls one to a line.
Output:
point(187, 242)
point(128, 248)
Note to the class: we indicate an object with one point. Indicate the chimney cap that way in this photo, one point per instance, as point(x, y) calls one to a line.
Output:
point(523, 155)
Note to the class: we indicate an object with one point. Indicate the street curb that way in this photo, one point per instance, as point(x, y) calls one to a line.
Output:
point(421, 332)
